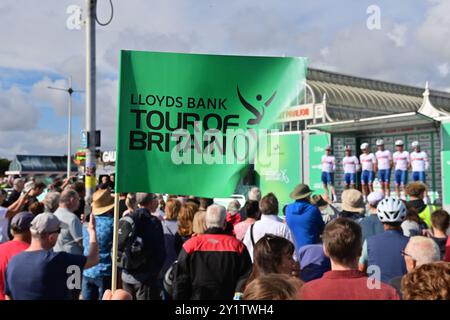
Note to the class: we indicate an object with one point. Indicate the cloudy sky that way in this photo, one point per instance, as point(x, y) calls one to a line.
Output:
point(38, 50)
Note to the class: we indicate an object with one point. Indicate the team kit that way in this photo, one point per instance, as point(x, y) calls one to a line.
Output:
point(381, 163)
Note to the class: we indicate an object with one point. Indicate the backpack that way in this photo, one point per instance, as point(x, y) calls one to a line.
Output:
point(168, 279)
point(131, 254)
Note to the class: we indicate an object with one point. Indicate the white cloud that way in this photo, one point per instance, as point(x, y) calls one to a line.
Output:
point(325, 52)
point(398, 34)
point(444, 69)
point(32, 141)
point(107, 112)
point(434, 33)
point(17, 111)
point(57, 99)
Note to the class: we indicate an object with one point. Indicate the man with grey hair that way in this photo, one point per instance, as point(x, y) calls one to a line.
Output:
point(254, 194)
point(214, 250)
point(215, 217)
point(51, 201)
point(142, 281)
point(419, 251)
point(70, 239)
point(233, 215)
point(18, 186)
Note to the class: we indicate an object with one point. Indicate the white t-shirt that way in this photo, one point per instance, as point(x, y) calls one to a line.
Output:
point(3, 225)
point(419, 161)
point(328, 163)
point(268, 224)
point(367, 161)
point(384, 158)
point(401, 160)
point(351, 164)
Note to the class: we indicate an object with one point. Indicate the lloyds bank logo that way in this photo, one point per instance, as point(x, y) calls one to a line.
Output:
point(257, 111)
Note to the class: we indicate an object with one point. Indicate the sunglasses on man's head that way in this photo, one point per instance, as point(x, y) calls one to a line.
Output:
point(403, 252)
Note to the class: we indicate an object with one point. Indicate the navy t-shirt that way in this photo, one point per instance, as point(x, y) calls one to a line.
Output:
point(384, 251)
point(42, 275)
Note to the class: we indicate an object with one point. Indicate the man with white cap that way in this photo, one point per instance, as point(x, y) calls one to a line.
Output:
point(39, 273)
point(328, 169)
point(351, 166)
point(384, 166)
point(367, 160)
point(401, 163)
point(371, 225)
point(419, 164)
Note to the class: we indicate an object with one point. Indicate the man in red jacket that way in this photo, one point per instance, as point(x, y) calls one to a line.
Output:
point(342, 242)
point(213, 265)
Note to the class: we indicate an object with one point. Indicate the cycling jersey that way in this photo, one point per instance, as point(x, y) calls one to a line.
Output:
point(351, 164)
point(401, 160)
point(367, 161)
point(419, 161)
point(384, 159)
point(328, 163)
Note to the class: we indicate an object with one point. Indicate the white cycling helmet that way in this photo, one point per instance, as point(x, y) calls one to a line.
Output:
point(365, 145)
point(391, 210)
point(415, 144)
point(380, 142)
point(399, 143)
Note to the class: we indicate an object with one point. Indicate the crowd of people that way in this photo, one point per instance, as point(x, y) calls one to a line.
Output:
point(185, 247)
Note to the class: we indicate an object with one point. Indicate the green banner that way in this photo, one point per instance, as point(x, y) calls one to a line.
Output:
point(281, 171)
point(317, 145)
point(189, 124)
point(445, 132)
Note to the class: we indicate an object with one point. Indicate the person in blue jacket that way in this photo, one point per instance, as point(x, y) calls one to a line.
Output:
point(303, 218)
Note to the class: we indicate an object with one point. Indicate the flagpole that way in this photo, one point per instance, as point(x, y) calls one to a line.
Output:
point(114, 248)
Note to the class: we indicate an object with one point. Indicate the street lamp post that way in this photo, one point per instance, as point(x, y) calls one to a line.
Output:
point(90, 20)
point(70, 91)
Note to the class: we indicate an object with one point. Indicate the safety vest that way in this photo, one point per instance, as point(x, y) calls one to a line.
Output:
point(425, 215)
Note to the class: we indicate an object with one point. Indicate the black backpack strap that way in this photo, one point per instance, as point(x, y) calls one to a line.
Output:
point(251, 234)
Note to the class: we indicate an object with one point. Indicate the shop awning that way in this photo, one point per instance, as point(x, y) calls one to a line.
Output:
point(375, 123)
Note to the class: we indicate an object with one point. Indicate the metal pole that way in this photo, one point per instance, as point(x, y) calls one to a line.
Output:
point(69, 130)
point(115, 245)
point(90, 180)
point(70, 91)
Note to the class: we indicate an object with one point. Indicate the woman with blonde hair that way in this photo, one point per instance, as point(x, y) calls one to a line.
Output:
point(131, 203)
point(199, 223)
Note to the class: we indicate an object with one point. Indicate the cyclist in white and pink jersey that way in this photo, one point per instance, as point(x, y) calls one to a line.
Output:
point(401, 163)
point(384, 166)
point(368, 161)
point(351, 166)
point(328, 169)
point(419, 163)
